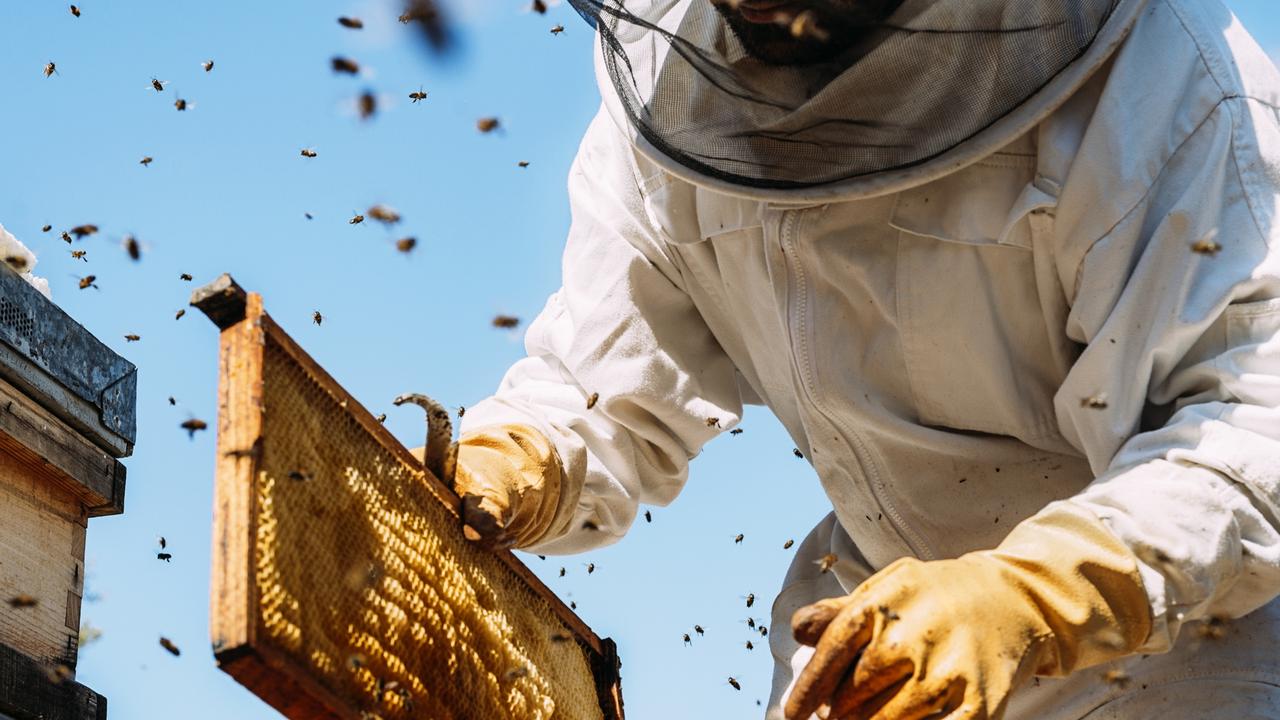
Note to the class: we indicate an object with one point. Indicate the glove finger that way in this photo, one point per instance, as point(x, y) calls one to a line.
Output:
point(833, 657)
point(809, 622)
point(909, 700)
point(877, 679)
point(481, 525)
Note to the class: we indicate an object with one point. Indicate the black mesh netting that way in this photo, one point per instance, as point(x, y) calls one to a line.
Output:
point(800, 93)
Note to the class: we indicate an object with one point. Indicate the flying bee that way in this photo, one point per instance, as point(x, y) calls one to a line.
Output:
point(735, 684)
point(164, 556)
point(23, 601)
point(764, 631)
point(688, 640)
point(1095, 402)
point(573, 605)
point(185, 276)
point(79, 255)
point(66, 237)
point(158, 85)
point(133, 248)
point(1207, 246)
point(736, 431)
point(648, 517)
point(1215, 628)
point(591, 567)
point(17, 262)
point(750, 646)
point(557, 29)
point(352, 23)
point(192, 425)
point(462, 411)
point(797, 453)
point(59, 673)
point(1117, 678)
point(131, 337)
point(163, 543)
point(178, 315)
point(87, 282)
point(751, 623)
point(698, 629)
point(415, 97)
point(83, 231)
point(505, 322)
point(487, 124)
point(167, 644)
point(405, 245)
point(46, 228)
point(75, 11)
point(207, 65)
point(180, 104)
point(308, 153)
point(592, 400)
point(713, 422)
point(787, 545)
point(49, 69)
point(384, 214)
point(145, 161)
point(172, 400)
point(382, 417)
point(316, 317)
point(539, 7)
point(344, 65)
point(561, 572)
point(367, 104)
point(751, 599)
point(308, 215)
point(523, 164)
point(738, 539)
point(356, 219)
point(826, 562)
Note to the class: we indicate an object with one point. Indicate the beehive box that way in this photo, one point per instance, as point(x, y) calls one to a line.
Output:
point(342, 586)
point(66, 416)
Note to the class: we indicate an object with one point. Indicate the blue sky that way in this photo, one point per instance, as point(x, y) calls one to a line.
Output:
point(228, 190)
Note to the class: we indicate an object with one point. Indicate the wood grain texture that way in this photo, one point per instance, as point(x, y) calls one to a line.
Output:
point(28, 691)
point(37, 438)
point(239, 449)
point(42, 556)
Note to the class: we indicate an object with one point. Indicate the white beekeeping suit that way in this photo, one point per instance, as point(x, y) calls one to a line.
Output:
point(1067, 309)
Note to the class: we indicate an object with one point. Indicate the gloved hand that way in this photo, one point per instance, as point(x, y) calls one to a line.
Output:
point(508, 477)
point(953, 638)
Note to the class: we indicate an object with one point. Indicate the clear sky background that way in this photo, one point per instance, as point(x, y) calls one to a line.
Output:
point(227, 192)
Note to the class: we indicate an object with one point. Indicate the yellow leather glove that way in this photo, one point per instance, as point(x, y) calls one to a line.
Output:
point(953, 638)
point(508, 477)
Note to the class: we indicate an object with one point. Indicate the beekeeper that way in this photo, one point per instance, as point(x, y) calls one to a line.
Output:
point(1004, 270)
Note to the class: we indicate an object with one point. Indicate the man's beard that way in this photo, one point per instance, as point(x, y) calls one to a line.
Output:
point(841, 25)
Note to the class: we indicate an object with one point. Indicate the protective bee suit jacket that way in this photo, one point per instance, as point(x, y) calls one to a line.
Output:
point(1089, 313)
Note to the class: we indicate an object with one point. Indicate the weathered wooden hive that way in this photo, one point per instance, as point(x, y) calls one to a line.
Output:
point(67, 405)
point(342, 585)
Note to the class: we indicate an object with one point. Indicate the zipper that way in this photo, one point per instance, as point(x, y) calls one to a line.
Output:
point(798, 329)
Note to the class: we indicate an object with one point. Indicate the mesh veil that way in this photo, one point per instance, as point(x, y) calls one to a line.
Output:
point(920, 81)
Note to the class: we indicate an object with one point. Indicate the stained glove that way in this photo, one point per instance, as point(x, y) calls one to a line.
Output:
point(508, 477)
point(953, 638)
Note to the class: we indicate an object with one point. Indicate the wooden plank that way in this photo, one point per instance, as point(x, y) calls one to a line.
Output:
point(41, 556)
point(29, 691)
point(239, 449)
point(39, 439)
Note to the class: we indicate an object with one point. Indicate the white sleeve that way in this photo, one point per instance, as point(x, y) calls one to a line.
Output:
point(623, 328)
point(1178, 309)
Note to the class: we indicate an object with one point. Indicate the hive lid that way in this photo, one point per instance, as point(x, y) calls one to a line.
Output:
point(63, 367)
